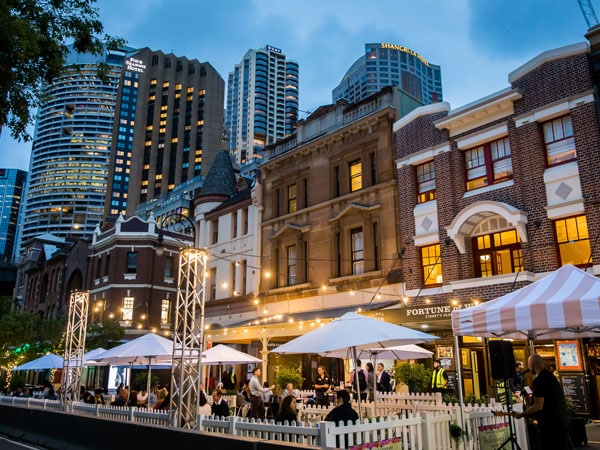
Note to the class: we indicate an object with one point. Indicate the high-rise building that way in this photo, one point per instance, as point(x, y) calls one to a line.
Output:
point(168, 128)
point(12, 184)
point(262, 102)
point(69, 160)
point(386, 64)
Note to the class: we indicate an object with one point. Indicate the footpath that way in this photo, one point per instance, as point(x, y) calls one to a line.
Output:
point(593, 436)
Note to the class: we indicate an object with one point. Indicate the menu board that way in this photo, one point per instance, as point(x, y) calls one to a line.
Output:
point(574, 389)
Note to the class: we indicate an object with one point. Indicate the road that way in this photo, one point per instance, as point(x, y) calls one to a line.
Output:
point(8, 444)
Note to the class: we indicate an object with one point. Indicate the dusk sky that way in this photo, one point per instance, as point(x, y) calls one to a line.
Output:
point(477, 43)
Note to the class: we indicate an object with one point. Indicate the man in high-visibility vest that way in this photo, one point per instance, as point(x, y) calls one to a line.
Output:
point(439, 378)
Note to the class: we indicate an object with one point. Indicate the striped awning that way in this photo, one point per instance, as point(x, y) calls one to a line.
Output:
point(563, 305)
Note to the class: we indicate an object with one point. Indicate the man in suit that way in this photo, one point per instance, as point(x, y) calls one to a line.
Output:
point(383, 379)
point(219, 407)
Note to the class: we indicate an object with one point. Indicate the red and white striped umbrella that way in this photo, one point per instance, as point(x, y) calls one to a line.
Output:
point(562, 305)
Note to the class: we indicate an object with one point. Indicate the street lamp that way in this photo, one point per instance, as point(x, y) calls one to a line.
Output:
point(188, 333)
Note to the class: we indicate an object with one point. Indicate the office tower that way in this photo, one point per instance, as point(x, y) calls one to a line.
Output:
point(386, 64)
point(168, 128)
point(262, 102)
point(12, 184)
point(71, 145)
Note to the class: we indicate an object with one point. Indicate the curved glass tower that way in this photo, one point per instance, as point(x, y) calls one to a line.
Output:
point(71, 147)
point(385, 64)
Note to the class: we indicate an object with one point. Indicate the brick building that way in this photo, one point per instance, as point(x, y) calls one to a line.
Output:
point(497, 193)
point(133, 275)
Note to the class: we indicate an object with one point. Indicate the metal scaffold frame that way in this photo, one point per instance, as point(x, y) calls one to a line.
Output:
point(74, 345)
point(188, 339)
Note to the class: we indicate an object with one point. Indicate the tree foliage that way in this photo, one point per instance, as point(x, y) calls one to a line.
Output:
point(107, 334)
point(415, 376)
point(33, 47)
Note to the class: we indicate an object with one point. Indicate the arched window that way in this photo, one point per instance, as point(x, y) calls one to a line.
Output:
point(496, 248)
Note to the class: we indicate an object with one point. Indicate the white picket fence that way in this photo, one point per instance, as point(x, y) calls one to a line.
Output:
point(424, 427)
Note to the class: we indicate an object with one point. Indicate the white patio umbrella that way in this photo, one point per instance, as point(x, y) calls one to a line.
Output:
point(49, 361)
point(141, 350)
point(222, 354)
point(351, 333)
point(409, 351)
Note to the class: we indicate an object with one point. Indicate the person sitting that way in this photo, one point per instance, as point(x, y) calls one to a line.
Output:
point(243, 399)
point(205, 409)
point(52, 395)
point(89, 398)
point(343, 411)
point(162, 395)
point(142, 398)
point(219, 407)
point(289, 390)
point(165, 404)
point(98, 396)
point(287, 410)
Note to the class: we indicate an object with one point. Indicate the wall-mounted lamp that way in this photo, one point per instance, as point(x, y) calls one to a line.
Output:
point(537, 223)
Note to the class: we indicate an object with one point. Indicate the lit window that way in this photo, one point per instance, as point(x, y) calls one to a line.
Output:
point(497, 253)
point(426, 182)
point(165, 311)
point(558, 137)
point(573, 241)
point(292, 198)
point(355, 176)
point(431, 264)
point(128, 308)
point(488, 164)
point(291, 265)
point(357, 251)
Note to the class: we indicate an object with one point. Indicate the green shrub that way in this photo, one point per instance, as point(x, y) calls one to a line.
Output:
point(289, 375)
point(415, 376)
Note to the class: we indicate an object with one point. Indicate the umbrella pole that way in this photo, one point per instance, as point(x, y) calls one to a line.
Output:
point(461, 402)
point(129, 383)
point(149, 379)
point(356, 383)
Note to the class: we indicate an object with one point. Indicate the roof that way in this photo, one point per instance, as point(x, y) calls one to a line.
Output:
point(221, 179)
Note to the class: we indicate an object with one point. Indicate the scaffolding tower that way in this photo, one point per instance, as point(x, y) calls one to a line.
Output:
point(188, 339)
point(74, 346)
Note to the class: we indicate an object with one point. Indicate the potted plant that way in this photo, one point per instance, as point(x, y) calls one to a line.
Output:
point(415, 376)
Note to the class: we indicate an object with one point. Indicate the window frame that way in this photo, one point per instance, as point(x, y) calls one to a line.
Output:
point(430, 194)
point(291, 261)
point(489, 164)
point(355, 177)
point(428, 267)
point(127, 309)
point(570, 239)
point(494, 252)
point(131, 262)
point(292, 198)
point(555, 159)
point(357, 250)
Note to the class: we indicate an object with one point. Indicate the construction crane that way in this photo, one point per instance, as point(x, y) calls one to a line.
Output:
point(588, 12)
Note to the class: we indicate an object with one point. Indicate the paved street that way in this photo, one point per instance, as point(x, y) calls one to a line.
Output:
point(593, 436)
point(8, 444)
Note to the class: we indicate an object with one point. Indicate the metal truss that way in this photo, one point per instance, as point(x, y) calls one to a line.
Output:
point(188, 339)
point(74, 346)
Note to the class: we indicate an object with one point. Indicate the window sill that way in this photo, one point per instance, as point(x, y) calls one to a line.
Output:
point(129, 276)
point(485, 189)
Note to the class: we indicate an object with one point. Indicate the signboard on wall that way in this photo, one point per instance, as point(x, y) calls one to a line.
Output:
point(575, 391)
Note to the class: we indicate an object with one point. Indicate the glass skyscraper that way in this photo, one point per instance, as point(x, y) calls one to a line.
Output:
point(262, 102)
point(71, 146)
point(12, 184)
point(385, 64)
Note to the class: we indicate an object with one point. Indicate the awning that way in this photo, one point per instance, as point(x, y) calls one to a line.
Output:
point(563, 305)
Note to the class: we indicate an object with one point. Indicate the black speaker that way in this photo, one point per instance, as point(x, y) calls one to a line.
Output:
point(502, 360)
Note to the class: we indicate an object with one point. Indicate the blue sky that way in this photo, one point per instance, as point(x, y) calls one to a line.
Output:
point(476, 42)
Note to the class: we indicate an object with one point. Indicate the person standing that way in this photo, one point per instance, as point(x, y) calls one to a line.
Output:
point(439, 377)
point(322, 385)
point(362, 381)
point(256, 391)
point(370, 381)
point(383, 379)
point(549, 407)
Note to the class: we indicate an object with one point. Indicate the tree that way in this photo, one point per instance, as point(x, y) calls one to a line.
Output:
point(33, 48)
point(105, 334)
point(415, 376)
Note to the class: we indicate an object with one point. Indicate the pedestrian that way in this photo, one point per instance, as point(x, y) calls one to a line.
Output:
point(439, 377)
point(549, 407)
point(361, 389)
point(256, 390)
point(370, 381)
point(322, 385)
point(383, 379)
point(203, 407)
point(289, 390)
